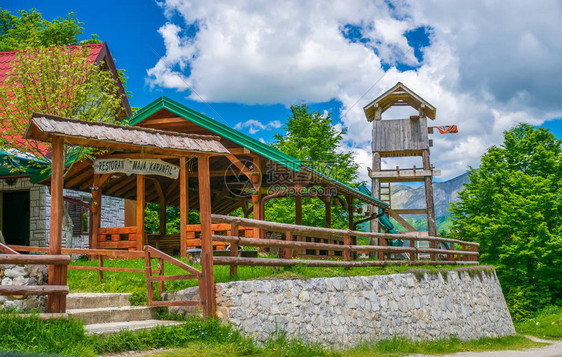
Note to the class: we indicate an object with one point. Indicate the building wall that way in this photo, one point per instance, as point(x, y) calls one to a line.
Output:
point(112, 215)
point(346, 311)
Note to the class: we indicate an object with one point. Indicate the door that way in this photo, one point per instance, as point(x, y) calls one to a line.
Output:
point(15, 217)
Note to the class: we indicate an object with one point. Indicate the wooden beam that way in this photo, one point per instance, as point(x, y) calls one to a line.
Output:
point(184, 206)
point(328, 212)
point(239, 151)
point(402, 221)
point(408, 173)
point(206, 236)
point(140, 210)
point(431, 225)
point(57, 273)
point(124, 182)
point(410, 211)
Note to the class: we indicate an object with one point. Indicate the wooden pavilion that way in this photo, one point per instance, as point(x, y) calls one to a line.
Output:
point(245, 176)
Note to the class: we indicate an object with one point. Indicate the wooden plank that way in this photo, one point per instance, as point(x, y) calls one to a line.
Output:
point(410, 211)
point(55, 303)
point(402, 221)
point(24, 259)
point(102, 269)
point(7, 250)
point(234, 248)
point(405, 173)
point(209, 299)
point(140, 211)
point(29, 290)
point(117, 230)
point(124, 244)
point(173, 277)
point(184, 215)
point(329, 263)
point(324, 232)
point(429, 201)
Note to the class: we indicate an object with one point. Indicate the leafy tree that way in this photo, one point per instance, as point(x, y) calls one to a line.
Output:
point(512, 206)
point(59, 81)
point(312, 138)
point(31, 30)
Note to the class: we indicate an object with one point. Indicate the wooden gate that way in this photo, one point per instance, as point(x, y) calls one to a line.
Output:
point(153, 253)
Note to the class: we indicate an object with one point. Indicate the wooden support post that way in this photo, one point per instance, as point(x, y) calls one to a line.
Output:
point(350, 210)
point(431, 225)
point(57, 273)
point(375, 192)
point(206, 236)
point(162, 215)
point(140, 210)
point(346, 242)
point(298, 209)
point(256, 208)
point(234, 248)
point(288, 251)
point(328, 211)
point(100, 265)
point(184, 214)
point(96, 215)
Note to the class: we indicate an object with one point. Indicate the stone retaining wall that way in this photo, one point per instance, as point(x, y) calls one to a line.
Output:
point(23, 275)
point(345, 311)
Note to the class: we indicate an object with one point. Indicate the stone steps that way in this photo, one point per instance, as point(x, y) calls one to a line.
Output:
point(113, 327)
point(107, 313)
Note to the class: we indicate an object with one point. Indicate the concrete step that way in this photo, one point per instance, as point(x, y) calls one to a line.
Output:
point(96, 300)
point(113, 327)
point(113, 314)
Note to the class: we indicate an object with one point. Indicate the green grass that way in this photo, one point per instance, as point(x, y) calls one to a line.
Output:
point(116, 282)
point(546, 324)
point(196, 337)
point(402, 347)
point(32, 335)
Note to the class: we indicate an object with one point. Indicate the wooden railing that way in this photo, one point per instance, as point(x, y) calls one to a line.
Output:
point(151, 253)
point(170, 243)
point(117, 238)
point(56, 293)
point(100, 254)
point(458, 252)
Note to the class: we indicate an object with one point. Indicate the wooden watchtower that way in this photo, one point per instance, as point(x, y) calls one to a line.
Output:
point(401, 138)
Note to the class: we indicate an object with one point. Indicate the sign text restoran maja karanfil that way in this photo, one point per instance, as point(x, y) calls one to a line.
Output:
point(136, 166)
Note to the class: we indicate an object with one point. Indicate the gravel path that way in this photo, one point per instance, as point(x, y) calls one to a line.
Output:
point(552, 350)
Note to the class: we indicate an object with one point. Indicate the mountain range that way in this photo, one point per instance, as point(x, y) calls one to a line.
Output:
point(444, 193)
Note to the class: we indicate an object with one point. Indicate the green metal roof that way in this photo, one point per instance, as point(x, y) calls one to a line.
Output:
point(243, 140)
point(218, 128)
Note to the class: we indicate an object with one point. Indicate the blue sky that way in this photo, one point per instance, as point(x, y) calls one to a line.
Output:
point(244, 62)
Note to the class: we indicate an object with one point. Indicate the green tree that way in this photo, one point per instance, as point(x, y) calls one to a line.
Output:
point(311, 137)
point(31, 30)
point(59, 81)
point(512, 206)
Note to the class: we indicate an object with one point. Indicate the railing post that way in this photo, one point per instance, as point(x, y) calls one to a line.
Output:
point(412, 245)
point(148, 267)
point(100, 265)
point(234, 248)
point(382, 243)
point(161, 274)
point(346, 252)
point(288, 251)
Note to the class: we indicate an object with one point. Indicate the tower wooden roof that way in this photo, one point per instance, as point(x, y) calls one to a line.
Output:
point(399, 95)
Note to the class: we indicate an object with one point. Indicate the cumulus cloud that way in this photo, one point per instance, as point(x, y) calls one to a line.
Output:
point(487, 66)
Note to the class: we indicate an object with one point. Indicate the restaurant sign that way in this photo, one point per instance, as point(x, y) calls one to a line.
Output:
point(136, 166)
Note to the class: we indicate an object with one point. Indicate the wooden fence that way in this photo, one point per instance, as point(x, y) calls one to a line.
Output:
point(296, 236)
point(53, 292)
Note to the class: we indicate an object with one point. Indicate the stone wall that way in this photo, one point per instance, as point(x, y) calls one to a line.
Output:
point(23, 275)
point(344, 311)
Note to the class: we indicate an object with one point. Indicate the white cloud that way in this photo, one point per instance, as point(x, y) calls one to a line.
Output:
point(254, 126)
point(488, 66)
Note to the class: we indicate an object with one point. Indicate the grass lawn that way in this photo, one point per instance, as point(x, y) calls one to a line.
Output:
point(207, 338)
point(547, 324)
point(116, 282)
